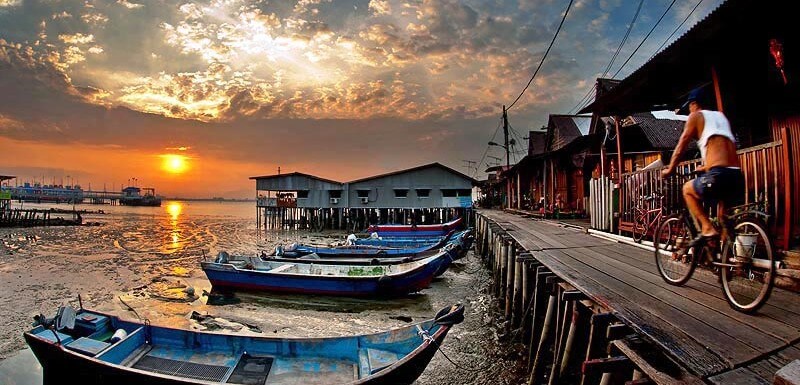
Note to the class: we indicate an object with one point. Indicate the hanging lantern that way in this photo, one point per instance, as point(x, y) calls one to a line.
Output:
point(776, 49)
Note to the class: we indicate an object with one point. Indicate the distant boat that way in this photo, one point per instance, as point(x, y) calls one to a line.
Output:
point(133, 196)
point(326, 279)
point(89, 347)
point(416, 230)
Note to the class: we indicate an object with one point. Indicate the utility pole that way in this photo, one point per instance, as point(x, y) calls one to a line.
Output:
point(508, 158)
point(505, 136)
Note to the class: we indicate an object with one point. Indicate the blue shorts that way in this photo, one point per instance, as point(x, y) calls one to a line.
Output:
point(720, 184)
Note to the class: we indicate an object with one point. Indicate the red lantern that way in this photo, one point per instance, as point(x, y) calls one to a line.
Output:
point(776, 49)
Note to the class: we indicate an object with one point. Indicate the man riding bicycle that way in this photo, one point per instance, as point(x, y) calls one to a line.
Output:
point(722, 180)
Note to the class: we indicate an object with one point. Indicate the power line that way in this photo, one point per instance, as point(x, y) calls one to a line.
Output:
point(499, 123)
point(676, 29)
point(543, 57)
point(645, 38)
point(624, 39)
point(610, 64)
point(583, 99)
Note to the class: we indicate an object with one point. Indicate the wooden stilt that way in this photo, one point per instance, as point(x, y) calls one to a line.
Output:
point(543, 354)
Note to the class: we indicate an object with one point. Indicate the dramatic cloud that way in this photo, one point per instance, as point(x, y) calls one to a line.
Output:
point(336, 81)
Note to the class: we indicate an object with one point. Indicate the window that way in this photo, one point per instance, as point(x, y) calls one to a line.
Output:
point(423, 192)
point(363, 193)
point(335, 193)
point(453, 193)
point(302, 194)
point(401, 193)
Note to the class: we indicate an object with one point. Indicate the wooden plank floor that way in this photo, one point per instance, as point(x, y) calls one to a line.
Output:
point(693, 323)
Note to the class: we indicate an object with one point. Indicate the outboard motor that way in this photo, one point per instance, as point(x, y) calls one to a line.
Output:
point(222, 257)
point(351, 239)
point(279, 251)
point(374, 236)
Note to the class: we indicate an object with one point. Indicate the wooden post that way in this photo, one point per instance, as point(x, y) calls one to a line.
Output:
point(717, 92)
point(540, 303)
point(542, 358)
point(597, 344)
point(788, 184)
point(576, 340)
point(511, 262)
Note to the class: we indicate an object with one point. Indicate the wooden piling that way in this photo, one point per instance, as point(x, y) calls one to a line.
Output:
point(543, 354)
point(510, 277)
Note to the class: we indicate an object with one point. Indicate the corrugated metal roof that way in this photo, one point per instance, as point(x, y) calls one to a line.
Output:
point(424, 166)
point(295, 174)
point(661, 133)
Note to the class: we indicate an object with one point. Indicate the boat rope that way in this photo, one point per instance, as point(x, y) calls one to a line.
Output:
point(439, 348)
point(129, 308)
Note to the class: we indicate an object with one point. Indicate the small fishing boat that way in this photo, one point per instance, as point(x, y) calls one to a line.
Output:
point(416, 230)
point(89, 347)
point(327, 279)
point(396, 242)
point(461, 239)
point(365, 251)
point(354, 260)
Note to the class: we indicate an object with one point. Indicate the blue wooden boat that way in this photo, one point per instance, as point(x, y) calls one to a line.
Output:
point(326, 279)
point(397, 242)
point(294, 251)
point(461, 239)
point(355, 260)
point(88, 347)
point(416, 230)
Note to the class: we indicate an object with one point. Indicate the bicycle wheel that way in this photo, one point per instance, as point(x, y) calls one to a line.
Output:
point(674, 265)
point(639, 225)
point(748, 282)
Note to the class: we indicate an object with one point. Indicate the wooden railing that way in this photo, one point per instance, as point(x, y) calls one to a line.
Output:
point(764, 168)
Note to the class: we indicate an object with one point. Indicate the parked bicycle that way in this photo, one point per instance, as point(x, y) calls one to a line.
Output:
point(743, 256)
point(647, 215)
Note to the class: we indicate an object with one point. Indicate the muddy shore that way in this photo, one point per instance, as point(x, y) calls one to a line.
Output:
point(168, 288)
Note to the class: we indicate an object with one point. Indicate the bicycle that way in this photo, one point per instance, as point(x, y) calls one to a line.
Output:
point(745, 262)
point(642, 223)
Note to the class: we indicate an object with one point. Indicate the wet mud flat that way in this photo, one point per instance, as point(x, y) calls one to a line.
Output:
point(169, 288)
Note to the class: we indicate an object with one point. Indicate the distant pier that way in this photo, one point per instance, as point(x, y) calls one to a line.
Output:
point(39, 217)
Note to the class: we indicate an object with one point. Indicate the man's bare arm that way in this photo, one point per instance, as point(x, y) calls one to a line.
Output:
point(689, 133)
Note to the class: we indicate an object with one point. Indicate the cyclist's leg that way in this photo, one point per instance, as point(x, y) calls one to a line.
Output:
point(693, 196)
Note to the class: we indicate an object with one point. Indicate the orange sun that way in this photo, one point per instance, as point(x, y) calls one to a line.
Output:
point(175, 164)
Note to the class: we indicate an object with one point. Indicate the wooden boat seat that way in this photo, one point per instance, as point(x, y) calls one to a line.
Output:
point(87, 346)
point(282, 268)
point(373, 360)
point(48, 335)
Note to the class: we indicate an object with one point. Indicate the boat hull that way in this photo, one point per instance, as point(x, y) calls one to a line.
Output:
point(224, 276)
point(63, 364)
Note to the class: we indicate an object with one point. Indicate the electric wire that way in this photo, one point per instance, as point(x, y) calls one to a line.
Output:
point(583, 100)
point(543, 57)
point(676, 29)
point(645, 38)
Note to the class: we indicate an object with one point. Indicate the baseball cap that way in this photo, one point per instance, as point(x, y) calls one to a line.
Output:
point(694, 95)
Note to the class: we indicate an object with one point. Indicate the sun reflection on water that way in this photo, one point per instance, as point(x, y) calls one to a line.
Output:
point(174, 210)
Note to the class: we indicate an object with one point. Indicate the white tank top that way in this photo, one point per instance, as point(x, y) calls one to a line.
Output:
point(715, 124)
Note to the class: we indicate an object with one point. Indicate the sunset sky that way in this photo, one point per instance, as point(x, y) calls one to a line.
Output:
point(192, 98)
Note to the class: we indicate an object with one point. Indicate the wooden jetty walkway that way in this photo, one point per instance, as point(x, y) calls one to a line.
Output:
point(593, 308)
